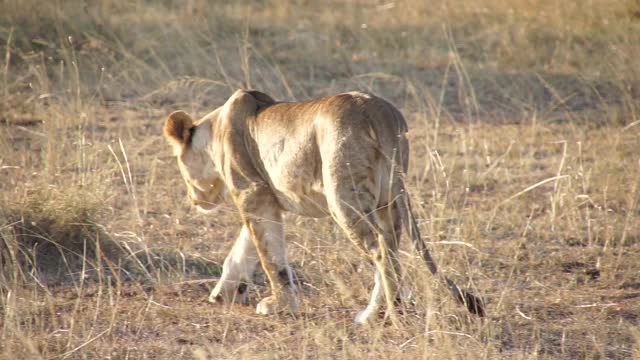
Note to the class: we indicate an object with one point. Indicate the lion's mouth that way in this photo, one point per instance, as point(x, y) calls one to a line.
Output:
point(205, 201)
point(209, 202)
point(205, 206)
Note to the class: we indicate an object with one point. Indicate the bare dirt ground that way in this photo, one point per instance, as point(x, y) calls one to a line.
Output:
point(525, 172)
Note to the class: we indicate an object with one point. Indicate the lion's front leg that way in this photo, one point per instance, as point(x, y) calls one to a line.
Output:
point(237, 271)
point(268, 236)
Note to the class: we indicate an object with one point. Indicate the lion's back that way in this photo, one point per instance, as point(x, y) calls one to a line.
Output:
point(362, 119)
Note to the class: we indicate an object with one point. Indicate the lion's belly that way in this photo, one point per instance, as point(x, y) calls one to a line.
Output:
point(293, 164)
point(304, 200)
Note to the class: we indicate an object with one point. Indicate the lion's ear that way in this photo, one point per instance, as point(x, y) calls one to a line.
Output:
point(177, 130)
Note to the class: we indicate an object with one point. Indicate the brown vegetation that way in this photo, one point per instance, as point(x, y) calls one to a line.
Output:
point(525, 173)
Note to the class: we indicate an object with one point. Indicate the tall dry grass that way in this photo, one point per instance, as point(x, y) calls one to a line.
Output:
point(524, 128)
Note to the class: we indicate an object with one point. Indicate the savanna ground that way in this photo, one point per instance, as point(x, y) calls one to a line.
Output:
point(525, 127)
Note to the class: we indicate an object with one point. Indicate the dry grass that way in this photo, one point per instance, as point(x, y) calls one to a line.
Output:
point(525, 174)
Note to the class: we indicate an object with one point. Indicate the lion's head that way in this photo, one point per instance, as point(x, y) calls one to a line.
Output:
point(192, 142)
point(190, 145)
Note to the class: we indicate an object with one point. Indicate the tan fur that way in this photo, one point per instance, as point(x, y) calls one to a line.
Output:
point(343, 156)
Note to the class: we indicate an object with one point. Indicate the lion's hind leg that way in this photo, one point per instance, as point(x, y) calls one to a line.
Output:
point(352, 202)
point(389, 236)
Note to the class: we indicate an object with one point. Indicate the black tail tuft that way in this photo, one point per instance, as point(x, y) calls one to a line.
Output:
point(473, 303)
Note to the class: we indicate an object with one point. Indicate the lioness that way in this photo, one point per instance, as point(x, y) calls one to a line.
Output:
point(343, 155)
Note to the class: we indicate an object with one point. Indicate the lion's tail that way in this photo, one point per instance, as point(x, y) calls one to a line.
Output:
point(472, 302)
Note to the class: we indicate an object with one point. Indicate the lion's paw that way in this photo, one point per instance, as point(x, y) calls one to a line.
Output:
point(272, 305)
point(216, 298)
point(267, 306)
point(365, 316)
